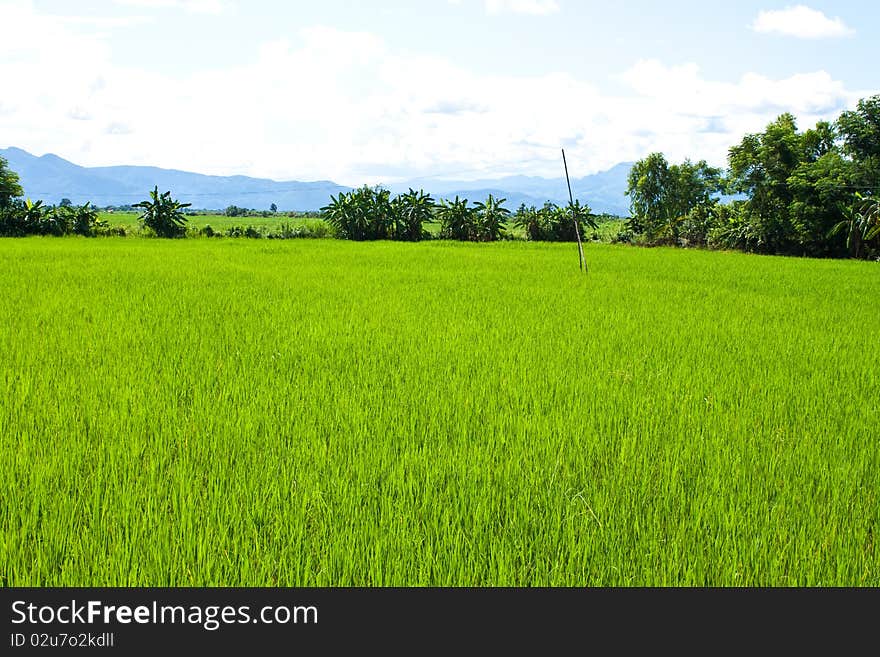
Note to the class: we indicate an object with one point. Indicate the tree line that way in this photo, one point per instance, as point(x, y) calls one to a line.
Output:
point(369, 213)
point(811, 193)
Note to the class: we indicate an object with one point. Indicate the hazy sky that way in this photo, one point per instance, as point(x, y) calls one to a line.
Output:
point(366, 92)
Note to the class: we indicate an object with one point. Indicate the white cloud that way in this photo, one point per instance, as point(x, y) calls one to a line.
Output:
point(534, 7)
point(689, 116)
point(191, 6)
point(802, 22)
point(346, 106)
point(108, 22)
point(530, 7)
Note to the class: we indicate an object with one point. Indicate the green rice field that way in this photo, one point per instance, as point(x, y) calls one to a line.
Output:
point(130, 220)
point(328, 413)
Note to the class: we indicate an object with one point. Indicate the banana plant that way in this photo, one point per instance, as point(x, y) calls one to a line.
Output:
point(491, 219)
point(163, 215)
point(335, 213)
point(410, 211)
point(362, 214)
point(85, 220)
point(861, 223)
point(457, 220)
point(582, 214)
point(528, 219)
point(35, 217)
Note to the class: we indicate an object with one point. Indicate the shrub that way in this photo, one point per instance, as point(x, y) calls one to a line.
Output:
point(111, 231)
point(85, 220)
point(12, 219)
point(244, 231)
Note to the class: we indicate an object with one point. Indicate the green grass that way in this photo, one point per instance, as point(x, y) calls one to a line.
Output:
point(241, 412)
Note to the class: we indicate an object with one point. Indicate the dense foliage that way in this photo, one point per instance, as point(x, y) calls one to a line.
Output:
point(25, 217)
point(9, 184)
point(370, 214)
point(363, 214)
point(810, 193)
point(553, 223)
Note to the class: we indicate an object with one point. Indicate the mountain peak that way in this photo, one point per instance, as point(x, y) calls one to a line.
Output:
point(54, 159)
point(14, 152)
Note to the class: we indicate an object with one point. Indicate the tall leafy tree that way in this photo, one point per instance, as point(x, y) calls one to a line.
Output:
point(801, 185)
point(10, 186)
point(860, 132)
point(691, 185)
point(662, 195)
point(821, 198)
point(760, 167)
point(648, 189)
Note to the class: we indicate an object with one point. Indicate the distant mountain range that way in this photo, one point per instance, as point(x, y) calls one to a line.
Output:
point(52, 178)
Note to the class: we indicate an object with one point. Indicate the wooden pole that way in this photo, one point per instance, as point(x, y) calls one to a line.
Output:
point(582, 261)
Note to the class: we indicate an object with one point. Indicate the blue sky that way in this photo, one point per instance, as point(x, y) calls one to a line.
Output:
point(379, 91)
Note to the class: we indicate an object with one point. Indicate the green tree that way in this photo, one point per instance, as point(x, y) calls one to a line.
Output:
point(800, 185)
point(12, 219)
point(648, 187)
point(860, 132)
point(163, 215)
point(692, 185)
point(65, 203)
point(273, 208)
point(760, 166)
point(662, 196)
point(10, 186)
point(821, 199)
